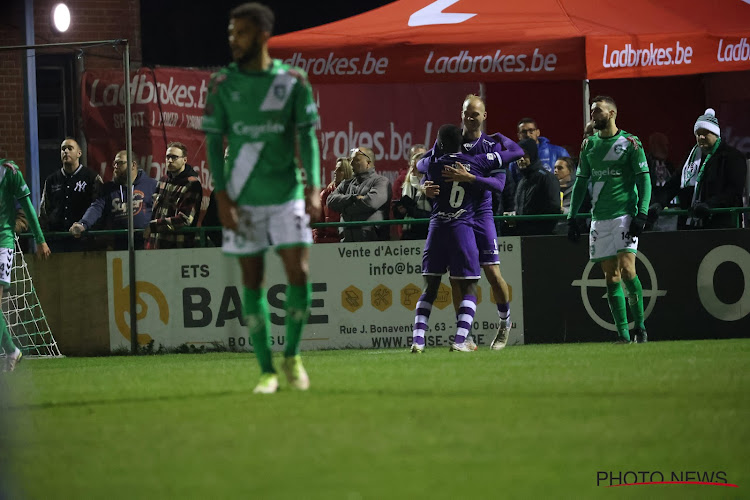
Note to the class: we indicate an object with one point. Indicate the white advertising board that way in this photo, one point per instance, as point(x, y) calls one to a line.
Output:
point(364, 296)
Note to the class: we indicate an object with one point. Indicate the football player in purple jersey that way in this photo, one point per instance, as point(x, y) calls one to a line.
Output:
point(476, 143)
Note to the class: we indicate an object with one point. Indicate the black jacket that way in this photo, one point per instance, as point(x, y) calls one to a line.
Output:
point(65, 198)
point(722, 185)
point(415, 211)
point(538, 192)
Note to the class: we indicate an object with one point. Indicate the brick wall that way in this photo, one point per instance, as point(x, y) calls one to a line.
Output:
point(12, 139)
point(91, 20)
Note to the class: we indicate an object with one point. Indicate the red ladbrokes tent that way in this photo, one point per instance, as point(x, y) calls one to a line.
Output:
point(477, 40)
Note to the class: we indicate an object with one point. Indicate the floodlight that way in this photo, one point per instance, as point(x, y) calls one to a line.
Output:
point(61, 17)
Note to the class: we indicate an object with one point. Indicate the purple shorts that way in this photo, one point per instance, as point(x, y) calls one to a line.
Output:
point(486, 240)
point(451, 246)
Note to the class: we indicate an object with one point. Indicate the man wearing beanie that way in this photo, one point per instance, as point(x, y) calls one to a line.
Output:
point(538, 191)
point(613, 161)
point(713, 177)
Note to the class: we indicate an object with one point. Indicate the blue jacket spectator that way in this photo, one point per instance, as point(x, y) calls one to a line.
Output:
point(112, 205)
point(548, 152)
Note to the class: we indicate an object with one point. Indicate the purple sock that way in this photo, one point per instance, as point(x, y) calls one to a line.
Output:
point(503, 311)
point(465, 318)
point(421, 318)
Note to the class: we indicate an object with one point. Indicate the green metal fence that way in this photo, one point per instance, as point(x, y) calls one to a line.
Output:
point(202, 240)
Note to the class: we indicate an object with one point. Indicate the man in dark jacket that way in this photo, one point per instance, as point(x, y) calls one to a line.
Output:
point(177, 201)
point(112, 205)
point(538, 191)
point(713, 177)
point(66, 195)
point(365, 197)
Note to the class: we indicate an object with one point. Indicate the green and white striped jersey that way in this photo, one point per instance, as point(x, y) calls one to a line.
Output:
point(611, 165)
point(259, 113)
point(12, 187)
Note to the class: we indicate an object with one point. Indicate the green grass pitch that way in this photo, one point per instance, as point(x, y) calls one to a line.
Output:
point(527, 422)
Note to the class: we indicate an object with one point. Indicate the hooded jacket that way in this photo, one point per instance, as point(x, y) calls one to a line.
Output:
point(112, 205)
point(549, 153)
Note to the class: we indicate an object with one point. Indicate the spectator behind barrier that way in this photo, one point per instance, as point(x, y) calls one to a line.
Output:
point(112, 206)
point(365, 197)
point(66, 195)
point(504, 203)
point(659, 166)
point(398, 185)
point(713, 176)
point(565, 171)
point(413, 203)
point(548, 152)
point(537, 193)
point(342, 172)
point(176, 203)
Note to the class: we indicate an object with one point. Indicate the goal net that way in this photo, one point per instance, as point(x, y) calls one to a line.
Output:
point(24, 314)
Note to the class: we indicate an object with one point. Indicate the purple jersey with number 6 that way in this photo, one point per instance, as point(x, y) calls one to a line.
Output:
point(505, 151)
point(451, 243)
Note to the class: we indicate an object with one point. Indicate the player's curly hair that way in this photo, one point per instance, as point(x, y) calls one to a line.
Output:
point(449, 139)
point(260, 15)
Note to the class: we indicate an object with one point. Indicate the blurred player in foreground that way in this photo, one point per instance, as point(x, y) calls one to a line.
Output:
point(261, 106)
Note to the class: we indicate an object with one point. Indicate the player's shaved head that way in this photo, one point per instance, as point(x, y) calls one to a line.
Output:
point(475, 100)
point(473, 115)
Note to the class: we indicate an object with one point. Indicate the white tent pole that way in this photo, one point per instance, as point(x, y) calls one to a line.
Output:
point(586, 99)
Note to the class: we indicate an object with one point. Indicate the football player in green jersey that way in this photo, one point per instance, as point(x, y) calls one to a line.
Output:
point(12, 188)
point(614, 164)
point(266, 111)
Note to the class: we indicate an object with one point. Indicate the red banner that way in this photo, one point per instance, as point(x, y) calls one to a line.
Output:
point(167, 105)
point(509, 61)
point(662, 55)
point(546, 40)
point(387, 118)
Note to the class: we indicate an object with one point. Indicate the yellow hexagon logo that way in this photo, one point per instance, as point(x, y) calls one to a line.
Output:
point(410, 295)
point(352, 298)
point(381, 297)
point(444, 297)
point(510, 295)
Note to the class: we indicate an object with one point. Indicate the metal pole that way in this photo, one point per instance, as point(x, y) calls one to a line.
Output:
point(118, 41)
point(131, 242)
point(32, 120)
point(586, 107)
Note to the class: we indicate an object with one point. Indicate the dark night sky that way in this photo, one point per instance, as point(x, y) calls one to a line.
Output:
point(177, 34)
